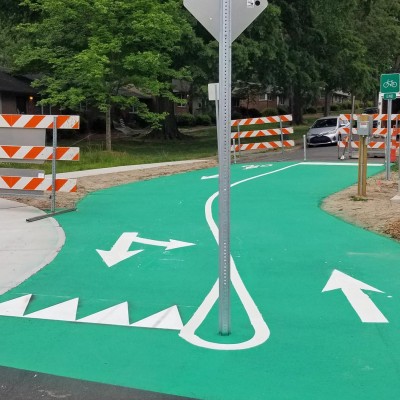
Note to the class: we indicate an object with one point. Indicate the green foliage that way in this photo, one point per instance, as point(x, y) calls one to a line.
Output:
point(86, 51)
point(269, 112)
point(283, 110)
point(311, 110)
point(185, 119)
point(90, 51)
point(203, 119)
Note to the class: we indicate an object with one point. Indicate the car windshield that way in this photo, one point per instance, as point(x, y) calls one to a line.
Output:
point(325, 123)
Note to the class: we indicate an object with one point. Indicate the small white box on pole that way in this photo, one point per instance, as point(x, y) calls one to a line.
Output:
point(213, 91)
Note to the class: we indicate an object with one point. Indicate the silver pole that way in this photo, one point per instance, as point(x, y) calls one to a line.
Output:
point(351, 128)
point(388, 138)
point(224, 166)
point(305, 147)
point(53, 167)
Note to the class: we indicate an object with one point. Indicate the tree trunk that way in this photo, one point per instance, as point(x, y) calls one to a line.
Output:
point(297, 107)
point(108, 128)
point(327, 106)
point(169, 129)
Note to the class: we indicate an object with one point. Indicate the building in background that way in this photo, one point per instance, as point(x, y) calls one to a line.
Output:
point(16, 95)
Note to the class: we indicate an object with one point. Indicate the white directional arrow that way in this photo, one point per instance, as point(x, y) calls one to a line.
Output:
point(120, 250)
point(170, 245)
point(352, 289)
point(209, 177)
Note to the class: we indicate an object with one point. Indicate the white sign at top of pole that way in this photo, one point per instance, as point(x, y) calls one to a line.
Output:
point(207, 12)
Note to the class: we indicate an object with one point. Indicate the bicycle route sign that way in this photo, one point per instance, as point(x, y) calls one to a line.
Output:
point(390, 86)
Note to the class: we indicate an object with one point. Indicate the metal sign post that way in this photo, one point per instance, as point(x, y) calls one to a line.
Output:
point(388, 138)
point(224, 156)
point(225, 20)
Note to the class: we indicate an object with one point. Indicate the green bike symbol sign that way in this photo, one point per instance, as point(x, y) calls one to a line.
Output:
point(390, 83)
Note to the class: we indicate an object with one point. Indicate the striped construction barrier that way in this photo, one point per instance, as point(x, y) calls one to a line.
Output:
point(38, 121)
point(249, 134)
point(262, 145)
point(260, 133)
point(376, 117)
point(38, 153)
point(37, 183)
point(370, 145)
point(14, 180)
point(261, 120)
point(375, 131)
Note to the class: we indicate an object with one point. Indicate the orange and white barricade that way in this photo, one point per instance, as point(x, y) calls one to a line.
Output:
point(374, 146)
point(240, 134)
point(17, 181)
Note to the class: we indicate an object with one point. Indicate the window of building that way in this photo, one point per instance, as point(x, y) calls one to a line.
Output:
point(266, 97)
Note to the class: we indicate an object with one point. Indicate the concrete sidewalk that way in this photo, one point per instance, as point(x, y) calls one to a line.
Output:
point(124, 168)
point(25, 247)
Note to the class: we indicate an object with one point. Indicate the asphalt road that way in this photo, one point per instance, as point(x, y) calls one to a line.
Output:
point(326, 153)
point(17, 384)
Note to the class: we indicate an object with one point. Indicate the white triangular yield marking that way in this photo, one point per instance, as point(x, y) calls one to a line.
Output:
point(166, 319)
point(116, 315)
point(65, 311)
point(15, 307)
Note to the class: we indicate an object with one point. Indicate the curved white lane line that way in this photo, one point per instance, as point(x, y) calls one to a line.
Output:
point(261, 330)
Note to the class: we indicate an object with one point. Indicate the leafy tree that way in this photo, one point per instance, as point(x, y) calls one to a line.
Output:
point(379, 23)
point(11, 40)
point(92, 48)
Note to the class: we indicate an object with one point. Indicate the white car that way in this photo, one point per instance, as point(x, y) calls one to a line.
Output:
point(325, 131)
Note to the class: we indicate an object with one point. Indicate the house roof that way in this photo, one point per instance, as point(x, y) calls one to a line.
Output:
point(9, 83)
point(132, 91)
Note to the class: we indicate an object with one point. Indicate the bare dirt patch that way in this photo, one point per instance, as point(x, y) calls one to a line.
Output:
point(376, 212)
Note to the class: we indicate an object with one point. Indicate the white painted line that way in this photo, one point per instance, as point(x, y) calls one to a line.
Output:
point(261, 330)
point(210, 177)
point(338, 163)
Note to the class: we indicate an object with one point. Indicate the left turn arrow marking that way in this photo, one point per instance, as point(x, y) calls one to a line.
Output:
point(120, 251)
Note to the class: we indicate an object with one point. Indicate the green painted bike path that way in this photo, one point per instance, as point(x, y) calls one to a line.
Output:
point(285, 248)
